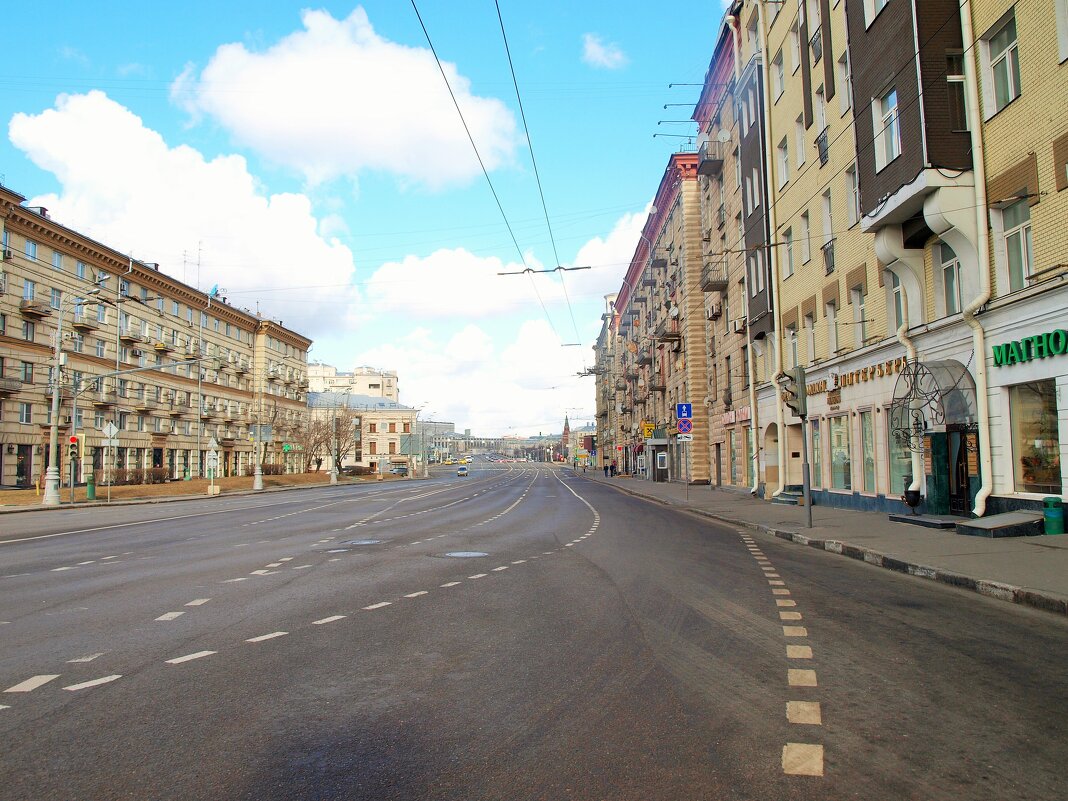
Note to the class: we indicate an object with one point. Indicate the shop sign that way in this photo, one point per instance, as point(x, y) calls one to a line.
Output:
point(729, 417)
point(869, 373)
point(1051, 343)
point(928, 458)
point(745, 413)
point(739, 415)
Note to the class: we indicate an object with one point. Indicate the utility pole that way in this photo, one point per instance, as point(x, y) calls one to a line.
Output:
point(795, 396)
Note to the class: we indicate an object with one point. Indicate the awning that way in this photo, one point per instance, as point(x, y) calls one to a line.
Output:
point(932, 396)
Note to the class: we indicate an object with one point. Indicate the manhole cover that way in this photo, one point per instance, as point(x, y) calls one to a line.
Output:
point(362, 542)
point(466, 554)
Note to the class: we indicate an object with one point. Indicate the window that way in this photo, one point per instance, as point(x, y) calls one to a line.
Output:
point(372, 428)
point(25, 412)
point(860, 322)
point(853, 194)
point(828, 218)
point(1016, 221)
point(1035, 437)
point(897, 293)
point(748, 198)
point(821, 109)
point(887, 129)
point(816, 477)
point(101, 313)
point(744, 358)
point(124, 287)
point(831, 313)
point(799, 140)
point(805, 233)
point(29, 332)
point(950, 279)
point(1061, 11)
point(1004, 68)
point(845, 82)
point(26, 372)
point(810, 337)
point(756, 189)
point(393, 447)
point(867, 441)
point(795, 48)
point(407, 428)
point(29, 289)
point(791, 346)
point(841, 467)
point(100, 348)
point(958, 103)
point(31, 250)
point(788, 261)
point(98, 420)
point(778, 75)
point(56, 298)
point(900, 459)
point(872, 9)
point(57, 260)
point(782, 156)
point(392, 428)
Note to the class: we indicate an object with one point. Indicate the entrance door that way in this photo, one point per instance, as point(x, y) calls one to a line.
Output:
point(960, 498)
point(24, 465)
point(719, 465)
point(157, 457)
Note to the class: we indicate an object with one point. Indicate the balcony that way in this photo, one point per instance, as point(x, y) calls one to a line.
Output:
point(131, 335)
point(645, 356)
point(658, 263)
point(710, 158)
point(828, 256)
point(815, 44)
point(34, 308)
point(9, 385)
point(664, 334)
point(105, 397)
point(621, 384)
point(85, 324)
point(823, 148)
point(241, 367)
point(714, 277)
point(177, 409)
point(657, 385)
point(208, 413)
point(144, 403)
point(163, 347)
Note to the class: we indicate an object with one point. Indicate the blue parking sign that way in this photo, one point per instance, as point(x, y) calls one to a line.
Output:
point(683, 410)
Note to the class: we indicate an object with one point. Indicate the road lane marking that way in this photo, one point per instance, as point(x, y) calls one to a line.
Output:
point(804, 712)
point(416, 594)
point(88, 658)
point(198, 602)
point(378, 605)
point(302, 567)
point(772, 575)
point(86, 563)
point(58, 569)
point(450, 584)
point(775, 583)
point(31, 684)
point(286, 559)
point(263, 572)
point(798, 651)
point(330, 619)
point(270, 636)
point(794, 631)
point(478, 575)
point(801, 678)
point(105, 558)
point(519, 561)
point(779, 591)
point(231, 581)
point(789, 615)
point(189, 657)
point(785, 602)
point(274, 564)
point(85, 685)
point(170, 616)
point(802, 759)
point(498, 569)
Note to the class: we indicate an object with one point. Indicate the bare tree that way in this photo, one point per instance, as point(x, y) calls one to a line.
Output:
point(343, 430)
point(311, 436)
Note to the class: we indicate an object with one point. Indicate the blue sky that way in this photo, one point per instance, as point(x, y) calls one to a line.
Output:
point(310, 161)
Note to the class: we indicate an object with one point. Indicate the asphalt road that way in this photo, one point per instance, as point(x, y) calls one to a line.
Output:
point(323, 644)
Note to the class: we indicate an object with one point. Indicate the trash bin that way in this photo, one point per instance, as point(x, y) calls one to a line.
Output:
point(90, 487)
point(1053, 515)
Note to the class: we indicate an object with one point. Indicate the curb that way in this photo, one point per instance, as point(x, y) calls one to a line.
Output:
point(1036, 599)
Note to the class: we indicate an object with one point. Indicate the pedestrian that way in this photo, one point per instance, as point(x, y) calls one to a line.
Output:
point(614, 468)
point(606, 468)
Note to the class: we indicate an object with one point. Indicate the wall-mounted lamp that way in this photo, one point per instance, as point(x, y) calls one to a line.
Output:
point(10, 449)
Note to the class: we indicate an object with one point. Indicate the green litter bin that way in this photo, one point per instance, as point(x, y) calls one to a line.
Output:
point(1053, 515)
point(90, 487)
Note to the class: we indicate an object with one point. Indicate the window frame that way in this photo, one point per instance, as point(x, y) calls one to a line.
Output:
point(887, 121)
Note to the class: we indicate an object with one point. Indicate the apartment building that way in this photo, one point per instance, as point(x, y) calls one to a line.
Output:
point(171, 367)
point(360, 381)
point(719, 116)
point(382, 430)
point(605, 378)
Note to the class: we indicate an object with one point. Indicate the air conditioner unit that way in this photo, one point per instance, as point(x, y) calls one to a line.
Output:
point(137, 353)
point(7, 254)
point(714, 311)
point(738, 326)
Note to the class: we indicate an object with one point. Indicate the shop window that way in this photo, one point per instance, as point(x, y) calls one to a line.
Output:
point(1035, 437)
point(816, 475)
point(730, 457)
point(867, 439)
point(841, 464)
point(900, 464)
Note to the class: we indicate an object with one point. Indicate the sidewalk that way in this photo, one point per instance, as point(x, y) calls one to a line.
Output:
point(1026, 570)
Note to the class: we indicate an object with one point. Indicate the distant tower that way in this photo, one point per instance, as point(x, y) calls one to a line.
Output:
point(565, 438)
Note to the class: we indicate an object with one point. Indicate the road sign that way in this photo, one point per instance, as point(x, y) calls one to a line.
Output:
point(647, 430)
point(684, 438)
point(685, 425)
point(213, 460)
point(286, 448)
point(683, 410)
point(110, 431)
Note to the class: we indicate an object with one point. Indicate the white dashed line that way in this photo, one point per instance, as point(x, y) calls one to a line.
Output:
point(416, 594)
point(104, 559)
point(378, 605)
point(286, 559)
point(794, 631)
point(798, 651)
point(801, 678)
point(275, 564)
point(789, 615)
point(170, 616)
point(198, 602)
point(478, 575)
point(189, 657)
point(302, 567)
point(519, 561)
point(86, 563)
point(450, 584)
point(270, 636)
point(58, 569)
point(32, 684)
point(88, 658)
point(263, 572)
point(85, 685)
point(498, 569)
point(326, 620)
point(231, 581)
point(804, 712)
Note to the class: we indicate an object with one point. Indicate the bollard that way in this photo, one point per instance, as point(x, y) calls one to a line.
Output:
point(90, 487)
point(1053, 515)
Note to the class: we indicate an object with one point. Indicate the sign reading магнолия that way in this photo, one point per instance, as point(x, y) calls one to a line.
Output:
point(1039, 346)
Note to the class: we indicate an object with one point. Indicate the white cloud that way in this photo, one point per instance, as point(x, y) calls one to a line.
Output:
point(609, 257)
point(123, 185)
point(519, 387)
point(336, 98)
point(600, 54)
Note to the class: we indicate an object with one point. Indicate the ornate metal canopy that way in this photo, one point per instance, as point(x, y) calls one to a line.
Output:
point(929, 396)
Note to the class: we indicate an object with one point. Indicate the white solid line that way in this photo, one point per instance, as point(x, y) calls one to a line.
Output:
point(450, 584)
point(416, 594)
point(88, 658)
point(198, 602)
point(230, 581)
point(32, 683)
point(519, 561)
point(94, 683)
point(502, 567)
point(57, 569)
point(270, 636)
point(179, 659)
point(378, 605)
point(330, 619)
point(478, 575)
point(170, 616)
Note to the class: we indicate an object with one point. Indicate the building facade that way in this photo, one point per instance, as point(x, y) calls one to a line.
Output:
point(360, 381)
point(169, 366)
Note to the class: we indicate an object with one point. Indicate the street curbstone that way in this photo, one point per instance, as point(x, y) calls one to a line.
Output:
point(956, 580)
point(897, 565)
point(834, 546)
point(923, 571)
point(1041, 601)
point(995, 589)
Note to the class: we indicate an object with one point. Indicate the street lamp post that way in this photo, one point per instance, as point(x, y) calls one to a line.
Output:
point(51, 493)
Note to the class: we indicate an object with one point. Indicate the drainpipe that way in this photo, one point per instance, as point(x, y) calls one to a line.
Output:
point(910, 352)
point(773, 259)
point(982, 400)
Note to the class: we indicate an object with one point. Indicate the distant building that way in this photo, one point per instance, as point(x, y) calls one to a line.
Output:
point(361, 381)
point(385, 429)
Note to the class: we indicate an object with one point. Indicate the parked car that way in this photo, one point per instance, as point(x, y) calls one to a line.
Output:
point(461, 470)
point(399, 470)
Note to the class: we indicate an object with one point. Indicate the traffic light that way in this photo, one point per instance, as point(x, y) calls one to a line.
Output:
point(793, 391)
point(72, 448)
